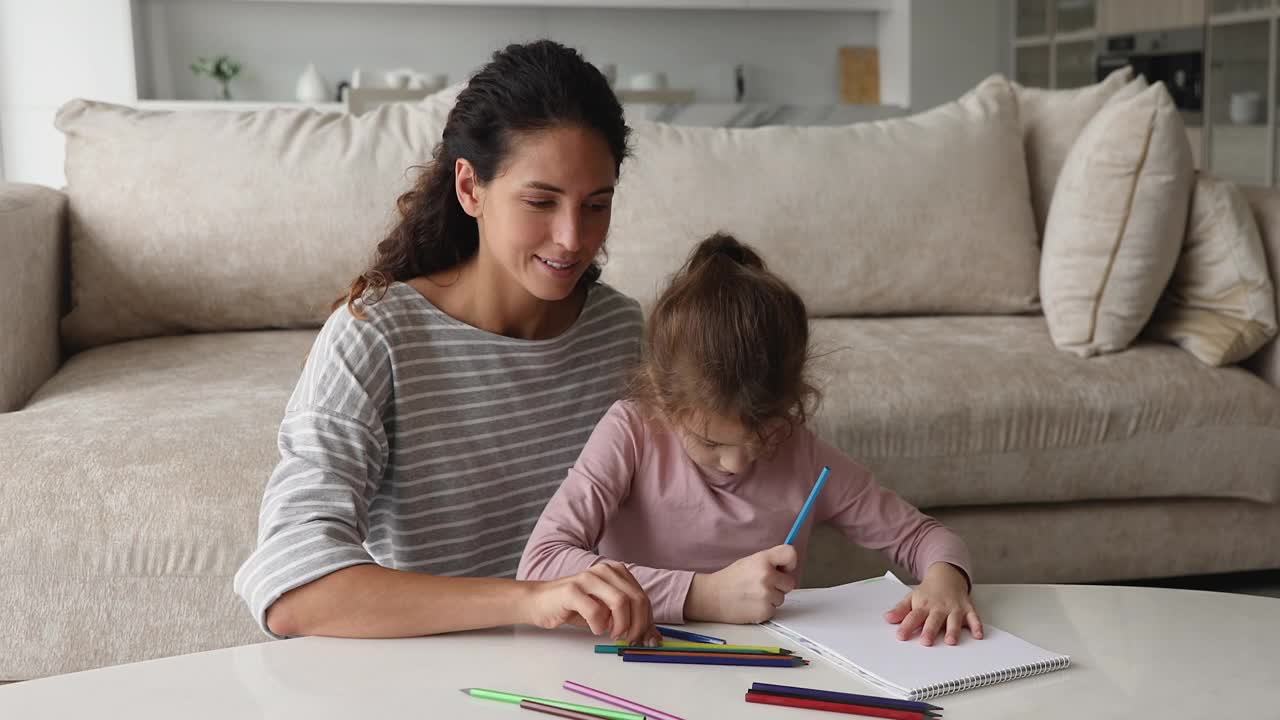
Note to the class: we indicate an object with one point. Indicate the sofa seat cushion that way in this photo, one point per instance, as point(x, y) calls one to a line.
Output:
point(984, 411)
point(135, 475)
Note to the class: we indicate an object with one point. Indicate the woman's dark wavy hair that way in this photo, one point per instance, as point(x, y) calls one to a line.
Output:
point(524, 88)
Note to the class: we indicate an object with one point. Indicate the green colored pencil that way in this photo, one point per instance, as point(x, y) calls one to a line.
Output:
point(516, 699)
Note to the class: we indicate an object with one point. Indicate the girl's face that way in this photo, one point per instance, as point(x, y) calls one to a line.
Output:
point(544, 217)
point(719, 445)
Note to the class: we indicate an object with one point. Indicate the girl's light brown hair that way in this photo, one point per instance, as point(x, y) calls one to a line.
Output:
point(727, 338)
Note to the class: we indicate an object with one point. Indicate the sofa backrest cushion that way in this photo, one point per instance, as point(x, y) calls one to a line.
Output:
point(203, 221)
point(1051, 122)
point(199, 221)
point(1220, 304)
point(918, 215)
point(1116, 224)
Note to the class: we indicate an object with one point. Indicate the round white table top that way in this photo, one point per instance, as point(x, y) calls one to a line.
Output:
point(1135, 652)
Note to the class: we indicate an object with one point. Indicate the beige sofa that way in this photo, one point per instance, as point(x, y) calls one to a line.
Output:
point(158, 309)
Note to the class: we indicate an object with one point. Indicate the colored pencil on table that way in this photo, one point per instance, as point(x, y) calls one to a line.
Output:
point(558, 712)
point(678, 653)
point(832, 696)
point(846, 708)
point(602, 696)
point(690, 636)
point(515, 699)
point(808, 505)
point(671, 644)
point(875, 709)
point(685, 659)
point(619, 649)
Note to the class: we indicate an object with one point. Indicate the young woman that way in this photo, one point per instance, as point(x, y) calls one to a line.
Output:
point(458, 379)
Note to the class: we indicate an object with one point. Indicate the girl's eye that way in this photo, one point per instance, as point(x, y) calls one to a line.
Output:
point(540, 204)
point(598, 207)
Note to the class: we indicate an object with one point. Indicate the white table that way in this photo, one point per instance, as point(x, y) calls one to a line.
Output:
point(1136, 652)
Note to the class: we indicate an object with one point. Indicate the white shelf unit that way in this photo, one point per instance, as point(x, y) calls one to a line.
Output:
point(1242, 152)
point(724, 35)
point(1111, 17)
point(1053, 44)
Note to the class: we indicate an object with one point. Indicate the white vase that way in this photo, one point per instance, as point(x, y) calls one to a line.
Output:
point(311, 86)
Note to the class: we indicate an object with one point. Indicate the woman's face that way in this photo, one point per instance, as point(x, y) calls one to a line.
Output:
point(544, 217)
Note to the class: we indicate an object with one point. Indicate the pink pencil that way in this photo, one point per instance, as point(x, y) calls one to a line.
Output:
point(618, 702)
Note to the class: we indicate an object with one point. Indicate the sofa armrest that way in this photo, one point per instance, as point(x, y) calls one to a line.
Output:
point(32, 242)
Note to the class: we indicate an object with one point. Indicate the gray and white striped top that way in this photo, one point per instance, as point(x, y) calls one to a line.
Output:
point(421, 443)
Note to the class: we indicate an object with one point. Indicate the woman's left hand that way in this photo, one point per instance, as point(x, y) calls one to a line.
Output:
point(941, 602)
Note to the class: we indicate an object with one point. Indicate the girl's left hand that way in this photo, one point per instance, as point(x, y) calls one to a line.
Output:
point(940, 601)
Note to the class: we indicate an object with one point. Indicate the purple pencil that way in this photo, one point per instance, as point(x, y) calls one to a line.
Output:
point(619, 702)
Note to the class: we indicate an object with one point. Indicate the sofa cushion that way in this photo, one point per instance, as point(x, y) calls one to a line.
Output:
point(1051, 121)
point(924, 214)
point(222, 220)
point(1220, 304)
point(984, 411)
point(129, 497)
point(1116, 224)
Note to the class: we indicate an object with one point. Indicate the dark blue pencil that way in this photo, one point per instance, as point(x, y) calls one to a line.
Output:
point(848, 698)
point(695, 659)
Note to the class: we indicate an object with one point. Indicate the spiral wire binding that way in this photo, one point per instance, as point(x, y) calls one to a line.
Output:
point(991, 678)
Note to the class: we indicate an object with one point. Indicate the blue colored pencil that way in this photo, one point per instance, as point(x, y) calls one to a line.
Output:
point(694, 659)
point(808, 505)
point(847, 698)
point(690, 636)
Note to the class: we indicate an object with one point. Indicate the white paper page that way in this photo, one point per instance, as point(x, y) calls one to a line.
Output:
point(849, 621)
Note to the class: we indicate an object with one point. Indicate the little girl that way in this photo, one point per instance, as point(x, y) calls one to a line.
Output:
point(710, 460)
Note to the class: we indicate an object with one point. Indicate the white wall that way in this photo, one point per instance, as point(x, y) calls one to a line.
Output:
point(52, 51)
point(955, 44)
point(790, 56)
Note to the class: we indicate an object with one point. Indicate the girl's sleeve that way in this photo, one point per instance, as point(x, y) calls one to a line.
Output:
point(564, 540)
point(877, 518)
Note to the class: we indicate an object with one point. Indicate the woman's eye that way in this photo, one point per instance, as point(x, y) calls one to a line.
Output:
point(598, 207)
point(540, 204)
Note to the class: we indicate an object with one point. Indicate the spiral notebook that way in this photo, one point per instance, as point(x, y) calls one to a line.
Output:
point(845, 626)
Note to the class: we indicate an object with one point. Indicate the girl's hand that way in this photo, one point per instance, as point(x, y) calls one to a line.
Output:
point(748, 591)
point(940, 601)
point(605, 597)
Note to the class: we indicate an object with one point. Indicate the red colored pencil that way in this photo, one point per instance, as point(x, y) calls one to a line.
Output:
point(845, 708)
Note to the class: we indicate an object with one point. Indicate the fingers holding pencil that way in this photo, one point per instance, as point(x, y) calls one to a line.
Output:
point(605, 597)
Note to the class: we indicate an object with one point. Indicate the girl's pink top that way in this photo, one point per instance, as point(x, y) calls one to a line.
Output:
point(635, 496)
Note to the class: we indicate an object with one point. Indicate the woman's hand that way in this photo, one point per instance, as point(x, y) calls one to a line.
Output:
point(940, 601)
point(605, 598)
point(748, 591)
